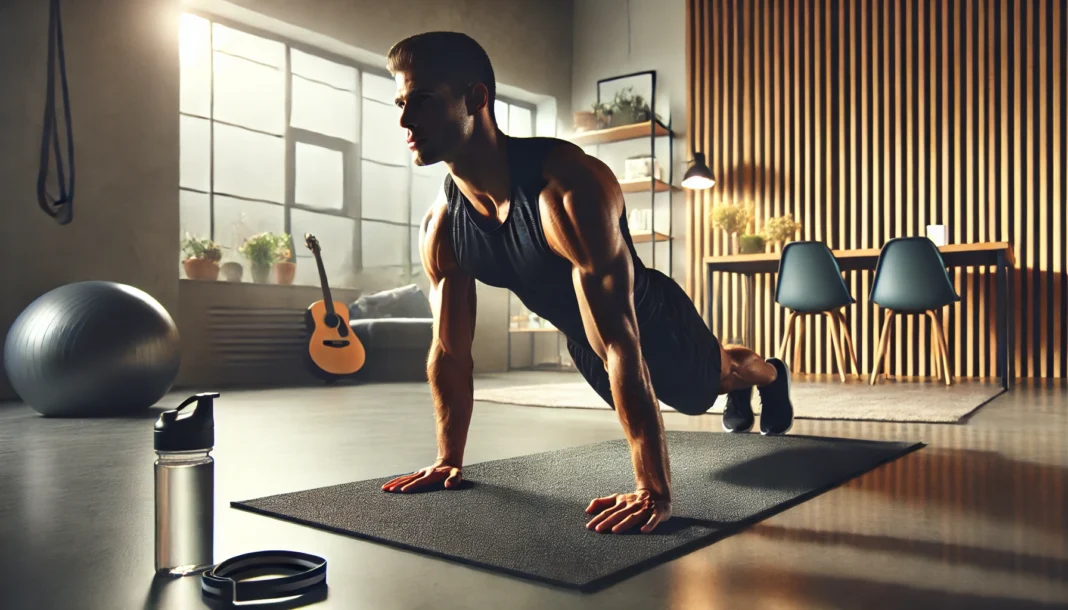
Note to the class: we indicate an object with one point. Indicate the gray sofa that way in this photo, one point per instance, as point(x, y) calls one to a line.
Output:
point(395, 327)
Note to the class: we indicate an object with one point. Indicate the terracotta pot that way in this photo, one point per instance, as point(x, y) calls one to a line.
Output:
point(233, 272)
point(201, 269)
point(284, 272)
point(585, 120)
point(261, 273)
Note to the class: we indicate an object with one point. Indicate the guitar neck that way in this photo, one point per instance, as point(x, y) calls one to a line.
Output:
point(327, 299)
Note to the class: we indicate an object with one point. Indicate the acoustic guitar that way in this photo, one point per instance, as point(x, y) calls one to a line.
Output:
point(334, 351)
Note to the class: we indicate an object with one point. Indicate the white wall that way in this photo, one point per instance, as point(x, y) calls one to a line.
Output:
point(616, 37)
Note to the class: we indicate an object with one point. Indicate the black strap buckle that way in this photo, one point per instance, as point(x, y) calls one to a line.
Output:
point(304, 574)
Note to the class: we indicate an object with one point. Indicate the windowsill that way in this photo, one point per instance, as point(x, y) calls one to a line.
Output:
point(344, 294)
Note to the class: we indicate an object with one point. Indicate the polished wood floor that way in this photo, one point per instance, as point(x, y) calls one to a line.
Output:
point(975, 520)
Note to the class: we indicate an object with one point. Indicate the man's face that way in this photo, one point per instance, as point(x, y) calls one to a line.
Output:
point(436, 122)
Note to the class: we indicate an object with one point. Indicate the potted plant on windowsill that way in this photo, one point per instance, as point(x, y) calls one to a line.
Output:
point(285, 268)
point(263, 250)
point(202, 258)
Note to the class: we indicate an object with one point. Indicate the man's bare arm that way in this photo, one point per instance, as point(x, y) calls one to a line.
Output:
point(583, 227)
point(450, 365)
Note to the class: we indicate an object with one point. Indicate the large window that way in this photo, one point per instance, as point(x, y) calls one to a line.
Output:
point(283, 139)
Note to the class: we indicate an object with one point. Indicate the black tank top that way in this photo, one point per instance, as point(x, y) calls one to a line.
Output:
point(515, 254)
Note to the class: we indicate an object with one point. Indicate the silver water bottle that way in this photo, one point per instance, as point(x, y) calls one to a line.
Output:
point(185, 487)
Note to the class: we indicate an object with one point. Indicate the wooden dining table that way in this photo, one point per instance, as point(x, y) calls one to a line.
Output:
point(984, 254)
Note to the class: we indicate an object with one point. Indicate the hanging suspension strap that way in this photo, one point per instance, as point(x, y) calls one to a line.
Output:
point(60, 207)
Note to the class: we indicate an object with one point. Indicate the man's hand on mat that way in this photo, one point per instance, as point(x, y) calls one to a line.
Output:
point(431, 475)
point(621, 512)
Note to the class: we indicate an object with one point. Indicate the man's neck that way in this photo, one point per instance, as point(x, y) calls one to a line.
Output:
point(481, 171)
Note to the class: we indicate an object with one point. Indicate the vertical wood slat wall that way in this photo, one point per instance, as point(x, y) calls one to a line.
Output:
point(868, 120)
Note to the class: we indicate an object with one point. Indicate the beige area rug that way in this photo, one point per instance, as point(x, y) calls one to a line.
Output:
point(889, 401)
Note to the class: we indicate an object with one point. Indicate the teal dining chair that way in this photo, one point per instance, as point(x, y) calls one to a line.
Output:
point(810, 283)
point(911, 279)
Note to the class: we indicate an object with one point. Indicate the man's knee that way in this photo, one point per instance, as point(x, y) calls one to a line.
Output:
point(744, 368)
point(694, 396)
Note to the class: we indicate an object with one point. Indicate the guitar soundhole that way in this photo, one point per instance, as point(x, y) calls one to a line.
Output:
point(331, 320)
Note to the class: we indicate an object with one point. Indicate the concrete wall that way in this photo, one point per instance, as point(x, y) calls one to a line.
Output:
point(616, 37)
point(122, 61)
point(122, 57)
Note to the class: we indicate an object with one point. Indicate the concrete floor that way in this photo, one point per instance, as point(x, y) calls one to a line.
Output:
point(975, 520)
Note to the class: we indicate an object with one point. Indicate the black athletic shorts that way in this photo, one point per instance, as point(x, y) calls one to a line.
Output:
point(682, 354)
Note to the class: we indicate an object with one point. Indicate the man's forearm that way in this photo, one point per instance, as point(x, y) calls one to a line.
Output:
point(636, 407)
point(452, 386)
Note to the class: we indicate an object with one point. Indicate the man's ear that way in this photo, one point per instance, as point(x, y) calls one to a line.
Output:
point(477, 98)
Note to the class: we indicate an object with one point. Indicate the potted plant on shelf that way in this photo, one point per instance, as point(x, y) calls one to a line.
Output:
point(285, 268)
point(751, 244)
point(625, 108)
point(731, 218)
point(781, 229)
point(202, 258)
point(262, 251)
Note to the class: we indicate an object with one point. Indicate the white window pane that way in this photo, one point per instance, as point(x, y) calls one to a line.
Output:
point(425, 190)
point(320, 176)
point(436, 170)
point(417, 259)
point(249, 94)
point(520, 122)
point(249, 164)
point(249, 46)
point(323, 109)
point(500, 111)
point(194, 215)
point(236, 220)
point(382, 136)
point(379, 88)
point(384, 192)
point(336, 236)
point(194, 152)
point(383, 245)
point(323, 70)
point(194, 42)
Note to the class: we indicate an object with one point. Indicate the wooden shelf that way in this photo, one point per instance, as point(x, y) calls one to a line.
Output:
point(644, 237)
point(643, 185)
point(618, 134)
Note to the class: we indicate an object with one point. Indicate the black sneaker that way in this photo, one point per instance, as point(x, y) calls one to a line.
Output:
point(738, 416)
point(776, 410)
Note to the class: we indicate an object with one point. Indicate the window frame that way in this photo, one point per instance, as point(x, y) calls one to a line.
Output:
point(352, 152)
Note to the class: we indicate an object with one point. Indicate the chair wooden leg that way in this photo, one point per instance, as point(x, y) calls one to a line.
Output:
point(943, 347)
point(836, 340)
point(936, 353)
point(799, 343)
point(941, 366)
point(848, 341)
point(880, 352)
point(787, 334)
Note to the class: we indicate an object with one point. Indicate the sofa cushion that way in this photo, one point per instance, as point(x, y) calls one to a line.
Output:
point(402, 302)
point(394, 333)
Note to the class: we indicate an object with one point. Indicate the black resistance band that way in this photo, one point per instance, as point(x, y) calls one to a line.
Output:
point(60, 208)
point(304, 573)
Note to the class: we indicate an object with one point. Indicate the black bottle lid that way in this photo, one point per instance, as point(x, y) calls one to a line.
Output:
point(190, 432)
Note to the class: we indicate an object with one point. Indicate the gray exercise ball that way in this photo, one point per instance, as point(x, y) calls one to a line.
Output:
point(92, 349)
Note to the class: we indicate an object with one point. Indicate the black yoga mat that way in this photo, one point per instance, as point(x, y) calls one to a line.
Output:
point(525, 516)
